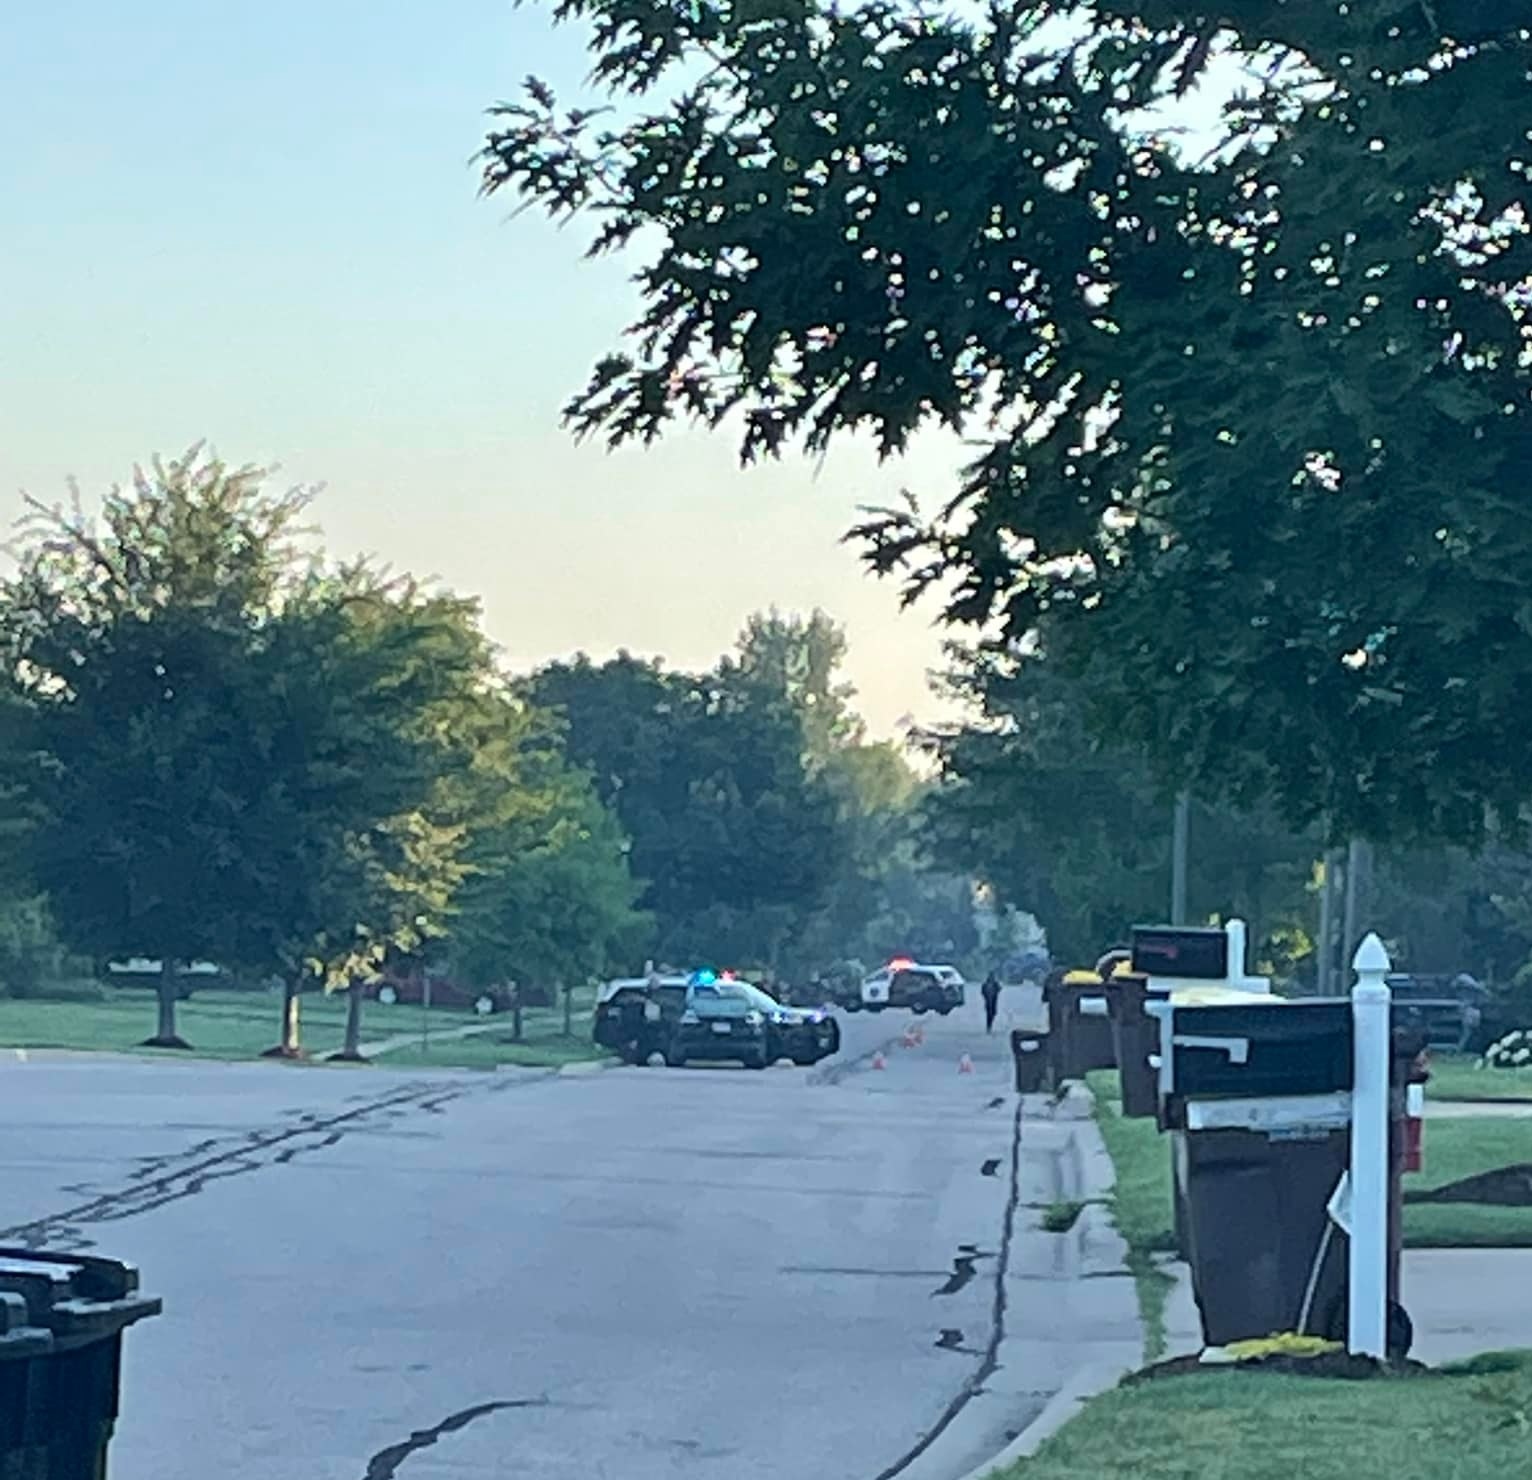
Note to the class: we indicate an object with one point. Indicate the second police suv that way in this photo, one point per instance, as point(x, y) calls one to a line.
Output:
point(708, 1016)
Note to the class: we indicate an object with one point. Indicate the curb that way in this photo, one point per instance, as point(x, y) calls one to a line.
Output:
point(583, 1068)
point(1088, 1383)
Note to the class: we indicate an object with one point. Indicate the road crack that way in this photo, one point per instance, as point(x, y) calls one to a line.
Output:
point(990, 1357)
point(384, 1465)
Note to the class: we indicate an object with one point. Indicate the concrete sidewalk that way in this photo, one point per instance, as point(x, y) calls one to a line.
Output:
point(1466, 1301)
point(1478, 1110)
point(1462, 1301)
point(438, 1035)
point(1070, 1309)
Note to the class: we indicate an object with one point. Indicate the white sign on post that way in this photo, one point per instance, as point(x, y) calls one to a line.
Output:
point(1339, 1206)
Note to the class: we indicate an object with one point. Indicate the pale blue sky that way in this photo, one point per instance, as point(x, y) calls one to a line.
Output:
point(258, 223)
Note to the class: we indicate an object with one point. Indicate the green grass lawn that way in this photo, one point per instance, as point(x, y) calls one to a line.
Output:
point(491, 1050)
point(1456, 1077)
point(1455, 1149)
point(218, 1024)
point(544, 1043)
point(241, 1025)
point(1467, 1424)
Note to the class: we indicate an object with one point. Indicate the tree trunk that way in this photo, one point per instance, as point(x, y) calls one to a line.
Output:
point(568, 991)
point(165, 991)
point(516, 1012)
point(290, 1046)
point(352, 1048)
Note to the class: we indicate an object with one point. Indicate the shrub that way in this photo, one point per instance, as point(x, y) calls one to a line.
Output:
point(1511, 1050)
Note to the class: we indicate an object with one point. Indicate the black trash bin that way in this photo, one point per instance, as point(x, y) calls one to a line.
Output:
point(1079, 1025)
point(1030, 1053)
point(1136, 1040)
point(61, 1322)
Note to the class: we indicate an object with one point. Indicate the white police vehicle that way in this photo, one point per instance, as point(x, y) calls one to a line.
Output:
point(915, 985)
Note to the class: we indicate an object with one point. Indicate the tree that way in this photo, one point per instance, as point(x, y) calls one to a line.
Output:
point(239, 755)
point(1077, 832)
point(128, 647)
point(733, 837)
point(417, 719)
point(1250, 410)
point(800, 657)
point(548, 896)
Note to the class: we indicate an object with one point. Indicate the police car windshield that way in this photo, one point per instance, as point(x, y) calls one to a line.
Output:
point(759, 999)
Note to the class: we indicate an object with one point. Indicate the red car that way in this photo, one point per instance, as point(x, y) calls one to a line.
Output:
point(409, 988)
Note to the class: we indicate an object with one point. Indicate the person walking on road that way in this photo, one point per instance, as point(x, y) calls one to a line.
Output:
point(991, 993)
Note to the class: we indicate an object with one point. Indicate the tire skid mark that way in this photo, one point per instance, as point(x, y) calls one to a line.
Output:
point(153, 1182)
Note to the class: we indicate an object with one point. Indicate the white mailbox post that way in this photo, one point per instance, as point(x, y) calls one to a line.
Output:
point(1371, 1050)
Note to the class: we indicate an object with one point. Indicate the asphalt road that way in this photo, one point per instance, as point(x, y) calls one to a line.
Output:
point(637, 1274)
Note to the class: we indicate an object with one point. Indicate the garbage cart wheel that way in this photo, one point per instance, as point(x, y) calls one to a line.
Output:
point(1398, 1328)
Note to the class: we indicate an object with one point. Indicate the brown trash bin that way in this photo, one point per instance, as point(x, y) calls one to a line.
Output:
point(1253, 1219)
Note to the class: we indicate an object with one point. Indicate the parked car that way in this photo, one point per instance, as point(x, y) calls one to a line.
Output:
point(140, 971)
point(636, 1016)
point(1450, 1010)
point(408, 988)
point(918, 987)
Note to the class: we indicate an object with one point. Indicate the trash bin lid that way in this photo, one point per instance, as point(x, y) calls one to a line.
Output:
point(1211, 996)
point(55, 1301)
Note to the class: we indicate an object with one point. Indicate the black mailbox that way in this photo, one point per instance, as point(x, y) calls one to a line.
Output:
point(1196, 954)
point(1267, 1048)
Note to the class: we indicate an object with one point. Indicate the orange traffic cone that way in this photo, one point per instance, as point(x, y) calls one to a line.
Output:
point(910, 1040)
point(965, 1065)
point(878, 1061)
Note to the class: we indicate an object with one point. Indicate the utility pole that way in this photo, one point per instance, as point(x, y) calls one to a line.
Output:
point(1178, 855)
point(1324, 947)
point(1358, 889)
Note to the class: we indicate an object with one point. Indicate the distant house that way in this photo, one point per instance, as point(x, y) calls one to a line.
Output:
point(138, 970)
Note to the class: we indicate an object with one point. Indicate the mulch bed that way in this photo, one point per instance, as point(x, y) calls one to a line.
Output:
point(1505, 1187)
point(1338, 1365)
